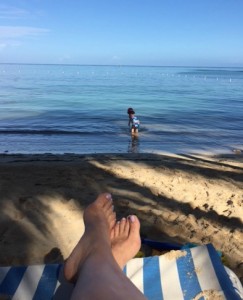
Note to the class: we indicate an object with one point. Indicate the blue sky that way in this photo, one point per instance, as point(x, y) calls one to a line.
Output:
point(122, 32)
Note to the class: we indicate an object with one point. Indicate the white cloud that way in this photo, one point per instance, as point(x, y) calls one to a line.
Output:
point(11, 32)
point(65, 58)
point(12, 36)
point(8, 12)
point(11, 43)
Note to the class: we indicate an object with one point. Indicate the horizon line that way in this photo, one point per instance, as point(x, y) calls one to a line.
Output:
point(118, 65)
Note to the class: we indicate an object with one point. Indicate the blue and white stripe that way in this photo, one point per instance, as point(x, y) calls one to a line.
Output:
point(197, 271)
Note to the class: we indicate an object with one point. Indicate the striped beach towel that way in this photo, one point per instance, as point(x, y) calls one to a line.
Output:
point(189, 274)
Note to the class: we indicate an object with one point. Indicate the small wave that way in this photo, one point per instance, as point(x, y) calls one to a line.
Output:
point(46, 132)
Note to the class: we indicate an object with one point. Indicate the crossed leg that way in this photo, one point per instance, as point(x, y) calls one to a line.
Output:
point(97, 259)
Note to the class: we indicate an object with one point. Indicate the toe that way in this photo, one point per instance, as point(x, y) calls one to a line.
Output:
point(122, 225)
point(134, 224)
point(126, 227)
point(104, 200)
point(112, 219)
point(117, 229)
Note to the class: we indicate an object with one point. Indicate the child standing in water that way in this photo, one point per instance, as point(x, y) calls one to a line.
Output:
point(133, 122)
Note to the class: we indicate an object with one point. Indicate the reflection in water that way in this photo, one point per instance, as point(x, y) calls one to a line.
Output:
point(133, 146)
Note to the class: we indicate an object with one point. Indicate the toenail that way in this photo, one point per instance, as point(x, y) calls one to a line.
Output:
point(108, 196)
point(132, 218)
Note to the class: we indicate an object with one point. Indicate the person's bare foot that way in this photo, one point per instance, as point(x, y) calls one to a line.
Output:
point(99, 219)
point(125, 240)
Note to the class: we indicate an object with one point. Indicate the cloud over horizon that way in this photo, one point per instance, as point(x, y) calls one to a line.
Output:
point(12, 35)
point(9, 32)
point(9, 12)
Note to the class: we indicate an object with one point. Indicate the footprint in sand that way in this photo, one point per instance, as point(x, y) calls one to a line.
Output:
point(230, 203)
point(205, 205)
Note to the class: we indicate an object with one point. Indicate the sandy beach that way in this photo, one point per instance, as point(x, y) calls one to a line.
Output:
point(180, 198)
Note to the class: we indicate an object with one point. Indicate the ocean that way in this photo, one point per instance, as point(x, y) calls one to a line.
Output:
point(83, 109)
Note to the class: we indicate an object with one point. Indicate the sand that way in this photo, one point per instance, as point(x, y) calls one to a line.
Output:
point(180, 198)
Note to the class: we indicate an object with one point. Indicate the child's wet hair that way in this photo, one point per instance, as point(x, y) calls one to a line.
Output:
point(130, 111)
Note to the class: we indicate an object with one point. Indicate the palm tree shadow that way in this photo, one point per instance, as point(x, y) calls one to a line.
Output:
point(76, 178)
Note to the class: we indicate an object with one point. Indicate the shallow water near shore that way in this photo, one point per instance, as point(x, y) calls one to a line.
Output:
point(82, 109)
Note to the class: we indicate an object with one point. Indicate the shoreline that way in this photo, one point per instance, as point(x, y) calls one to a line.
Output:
point(183, 198)
point(233, 155)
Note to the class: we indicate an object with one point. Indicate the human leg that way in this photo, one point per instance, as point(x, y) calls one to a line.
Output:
point(98, 274)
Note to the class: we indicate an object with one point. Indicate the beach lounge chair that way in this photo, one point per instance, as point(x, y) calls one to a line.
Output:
point(194, 273)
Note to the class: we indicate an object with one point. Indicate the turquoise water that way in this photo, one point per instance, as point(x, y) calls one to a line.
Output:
point(82, 109)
